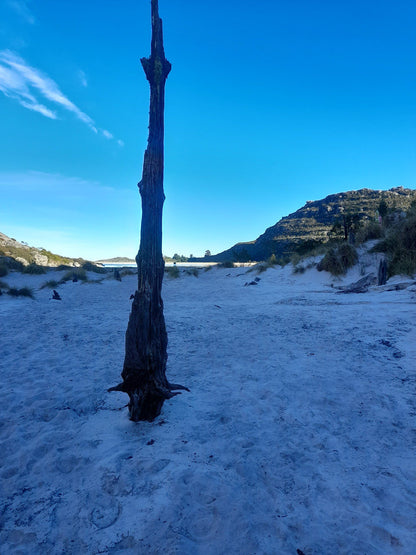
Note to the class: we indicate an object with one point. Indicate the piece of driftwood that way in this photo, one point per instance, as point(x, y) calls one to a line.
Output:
point(363, 284)
point(396, 286)
point(360, 286)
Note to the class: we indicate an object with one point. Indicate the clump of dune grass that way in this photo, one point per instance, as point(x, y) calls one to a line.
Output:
point(128, 272)
point(226, 264)
point(192, 272)
point(34, 269)
point(261, 267)
point(22, 292)
point(51, 284)
point(315, 249)
point(173, 272)
point(301, 268)
point(76, 274)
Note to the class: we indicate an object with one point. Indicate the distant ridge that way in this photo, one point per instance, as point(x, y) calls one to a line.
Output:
point(116, 260)
point(313, 222)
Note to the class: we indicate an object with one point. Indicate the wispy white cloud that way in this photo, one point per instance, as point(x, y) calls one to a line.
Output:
point(20, 81)
point(120, 142)
point(34, 78)
point(13, 85)
point(39, 108)
point(83, 78)
point(22, 9)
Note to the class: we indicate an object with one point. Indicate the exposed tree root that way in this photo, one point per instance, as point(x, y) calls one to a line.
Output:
point(146, 400)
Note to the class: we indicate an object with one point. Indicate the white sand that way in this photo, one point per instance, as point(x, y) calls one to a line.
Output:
point(299, 431)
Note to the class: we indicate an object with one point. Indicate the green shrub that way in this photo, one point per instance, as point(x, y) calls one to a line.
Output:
point(371, 230)
point(338, 260)
point(400, 246)
point(51, 284)
point(208, 268)
point(330, 263)
point(407, 231)
point(34, 269)
point(4, 270)
point(172, 271)
point(90, 267)
point(75, 274)
point(403, 262)
point(128, 272)
point(23, 292)
point(226, 264)
point(348, 255)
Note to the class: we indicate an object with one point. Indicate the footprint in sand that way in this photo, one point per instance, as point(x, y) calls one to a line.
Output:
point(159, 465)
point(68, 464)
point(106, 512)
point(203, 523)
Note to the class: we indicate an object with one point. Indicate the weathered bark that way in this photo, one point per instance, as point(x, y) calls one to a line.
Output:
point(145, 360)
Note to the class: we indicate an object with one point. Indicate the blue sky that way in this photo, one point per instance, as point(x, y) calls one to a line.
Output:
point(269, 104)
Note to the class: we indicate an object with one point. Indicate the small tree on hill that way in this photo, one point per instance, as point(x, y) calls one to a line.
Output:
point(383, 210)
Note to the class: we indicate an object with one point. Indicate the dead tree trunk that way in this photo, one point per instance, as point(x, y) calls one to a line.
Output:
point(145, 360)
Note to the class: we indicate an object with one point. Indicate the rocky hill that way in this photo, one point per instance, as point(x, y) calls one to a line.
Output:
point(24, 254)
point(314, 222)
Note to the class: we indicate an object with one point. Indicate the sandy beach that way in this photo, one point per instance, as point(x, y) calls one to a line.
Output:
point(298, 432)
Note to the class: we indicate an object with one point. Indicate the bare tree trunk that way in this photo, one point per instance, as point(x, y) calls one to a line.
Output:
point(145, 360)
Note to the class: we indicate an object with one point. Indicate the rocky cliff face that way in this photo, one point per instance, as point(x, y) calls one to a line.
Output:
point(314, 221)
point(10, 248)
